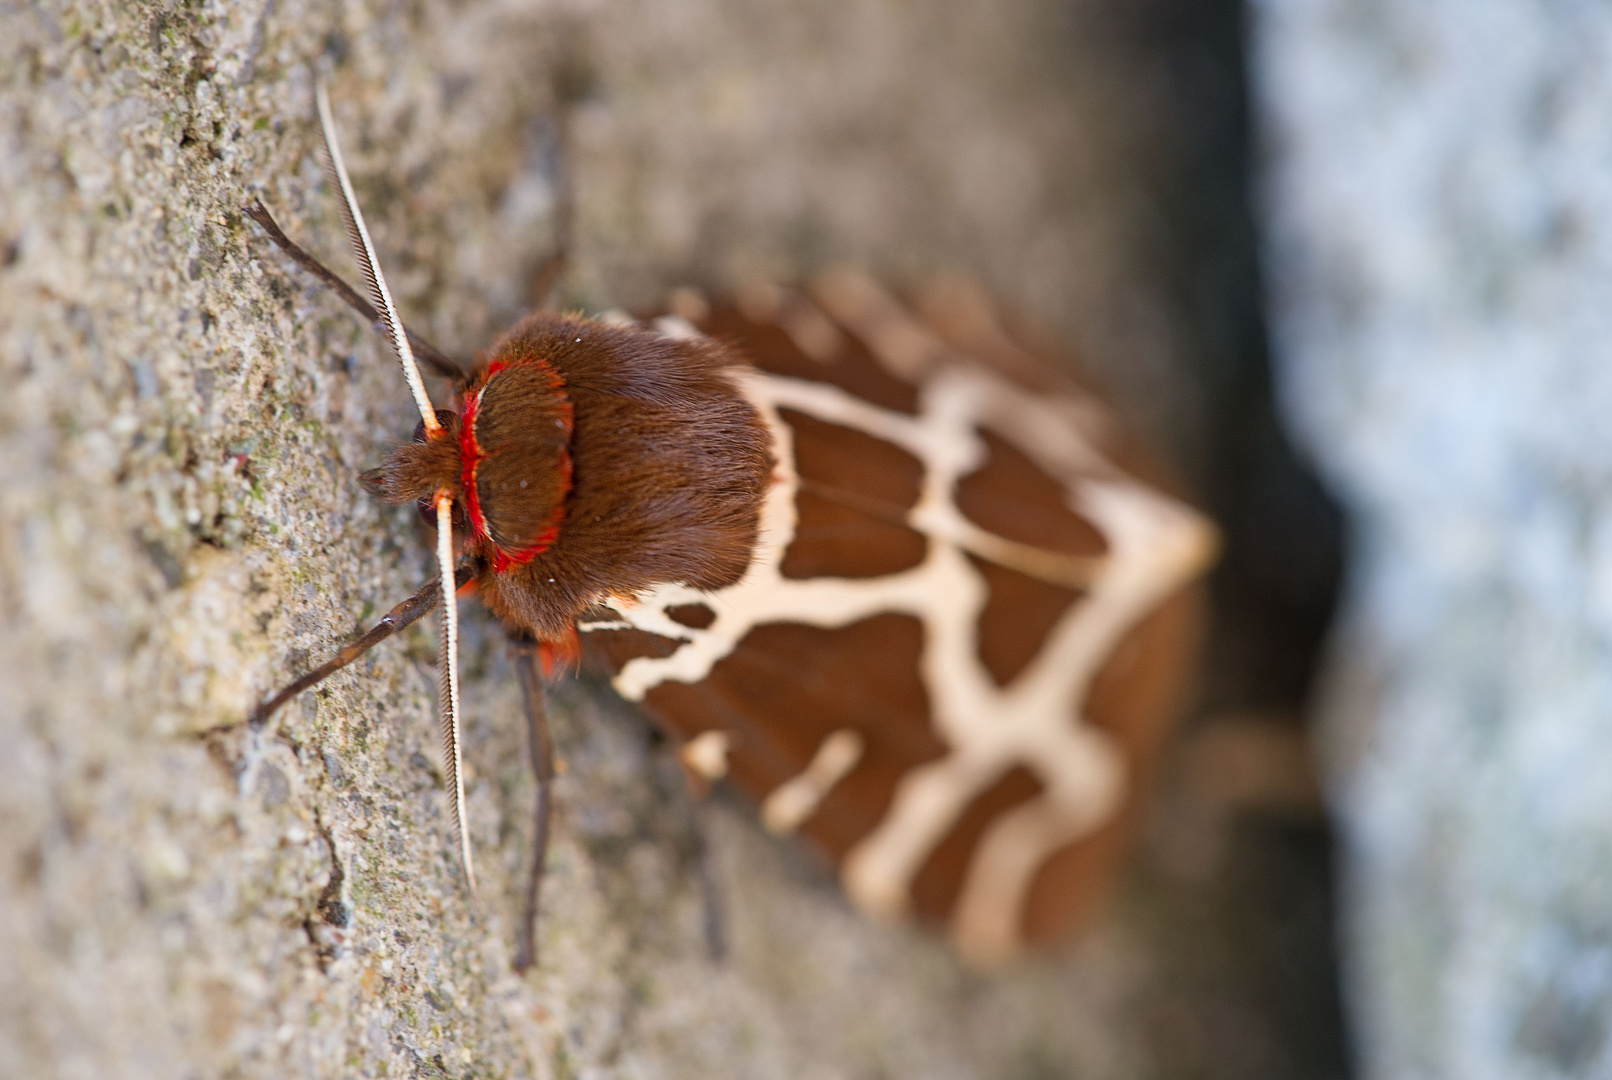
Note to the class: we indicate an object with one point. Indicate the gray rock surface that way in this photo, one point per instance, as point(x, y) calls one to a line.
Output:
point(182, 415)
point(1442, 209)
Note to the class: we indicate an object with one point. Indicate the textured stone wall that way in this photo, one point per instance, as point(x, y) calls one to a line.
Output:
point(182, 415)
point(1442, 228)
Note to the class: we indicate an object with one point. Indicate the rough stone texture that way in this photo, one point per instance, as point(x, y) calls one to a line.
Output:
point(1443, 228)
point(181, 422)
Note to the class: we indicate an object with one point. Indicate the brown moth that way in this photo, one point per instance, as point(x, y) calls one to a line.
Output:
point(884, 572)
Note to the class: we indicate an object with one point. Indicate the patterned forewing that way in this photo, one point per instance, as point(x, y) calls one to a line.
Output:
point(964, 737)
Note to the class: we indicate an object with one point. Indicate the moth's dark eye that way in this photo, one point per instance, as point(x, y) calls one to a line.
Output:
point(428, 513)
point(443, 418)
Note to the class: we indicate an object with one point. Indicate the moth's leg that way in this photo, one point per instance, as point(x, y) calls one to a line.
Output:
point(409, 611)
point(439, 361)
point(692, 795)
point(540, 748)
point(712, 922)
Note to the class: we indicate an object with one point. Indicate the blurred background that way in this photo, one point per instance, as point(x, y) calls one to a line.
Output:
point(1342, 263)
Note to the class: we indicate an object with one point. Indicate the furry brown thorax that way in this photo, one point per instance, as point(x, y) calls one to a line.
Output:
point(594, 460)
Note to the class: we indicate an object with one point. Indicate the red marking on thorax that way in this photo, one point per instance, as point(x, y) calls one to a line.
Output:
point(471, 454)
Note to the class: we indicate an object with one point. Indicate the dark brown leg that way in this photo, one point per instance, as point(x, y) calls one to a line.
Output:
point(399, 617)
point(716, 938)
point(540, 747)
point(437, 360)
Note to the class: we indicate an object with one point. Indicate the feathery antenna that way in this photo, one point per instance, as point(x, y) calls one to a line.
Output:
point(450, 680)
point(382, 298)
point(379, 294)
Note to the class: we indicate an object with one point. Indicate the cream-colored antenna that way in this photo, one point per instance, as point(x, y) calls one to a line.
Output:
point(380, 296)
point(449, 671)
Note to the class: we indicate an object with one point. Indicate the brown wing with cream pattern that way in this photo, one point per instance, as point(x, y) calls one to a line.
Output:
point(965, 629)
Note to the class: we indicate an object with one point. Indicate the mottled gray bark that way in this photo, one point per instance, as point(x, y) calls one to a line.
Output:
point(182, 416)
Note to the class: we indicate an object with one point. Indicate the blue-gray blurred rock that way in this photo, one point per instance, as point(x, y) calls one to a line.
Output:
point(1440, 205)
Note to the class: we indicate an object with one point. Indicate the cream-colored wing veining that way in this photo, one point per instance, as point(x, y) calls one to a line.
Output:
point(1155, 545)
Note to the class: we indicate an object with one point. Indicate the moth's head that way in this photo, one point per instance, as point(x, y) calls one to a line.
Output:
point(505, 458)
point(429, 464)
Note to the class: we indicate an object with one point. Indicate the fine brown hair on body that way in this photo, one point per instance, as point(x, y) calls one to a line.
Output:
point(669, 465)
